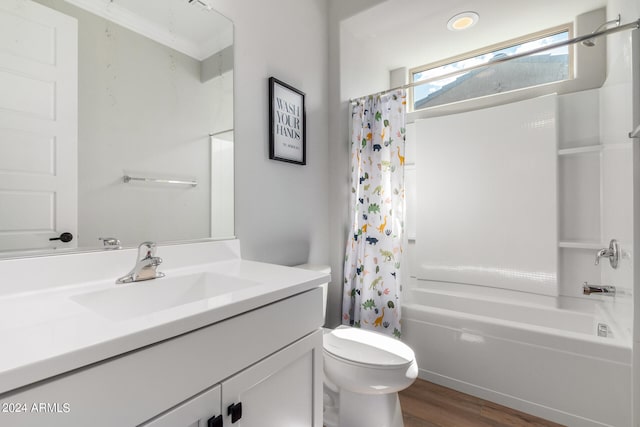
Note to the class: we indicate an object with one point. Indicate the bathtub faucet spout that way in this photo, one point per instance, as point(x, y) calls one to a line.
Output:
point(588, 289)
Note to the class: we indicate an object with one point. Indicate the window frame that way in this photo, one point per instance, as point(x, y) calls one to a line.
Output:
point(568, 27)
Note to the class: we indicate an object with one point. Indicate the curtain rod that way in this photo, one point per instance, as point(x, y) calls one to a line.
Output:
point(630, 26)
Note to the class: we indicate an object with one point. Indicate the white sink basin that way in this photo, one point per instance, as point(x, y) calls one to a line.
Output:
point(135, 299)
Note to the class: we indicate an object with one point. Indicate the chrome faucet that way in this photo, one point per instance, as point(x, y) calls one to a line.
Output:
point(145, 268)
point(588, 289)
point(612, 252)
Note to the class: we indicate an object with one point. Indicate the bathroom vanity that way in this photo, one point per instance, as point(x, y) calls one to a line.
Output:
point(222, 341)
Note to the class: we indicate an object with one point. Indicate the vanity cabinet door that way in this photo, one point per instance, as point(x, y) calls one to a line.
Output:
point(284, 389)
point(202, 410)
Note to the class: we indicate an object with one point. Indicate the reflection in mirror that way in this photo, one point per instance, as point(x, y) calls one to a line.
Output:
point(103, 89)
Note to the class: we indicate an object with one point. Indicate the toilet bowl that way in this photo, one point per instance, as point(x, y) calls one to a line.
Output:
point(363, 373)
point(366, 370)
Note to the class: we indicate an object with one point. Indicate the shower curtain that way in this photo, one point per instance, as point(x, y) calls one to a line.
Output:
point(372, 281)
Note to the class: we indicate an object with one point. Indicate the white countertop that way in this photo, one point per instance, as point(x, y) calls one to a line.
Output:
point(45, 332)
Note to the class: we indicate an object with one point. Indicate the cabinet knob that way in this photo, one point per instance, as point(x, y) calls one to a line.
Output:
point(235, 410)
point(215, 421)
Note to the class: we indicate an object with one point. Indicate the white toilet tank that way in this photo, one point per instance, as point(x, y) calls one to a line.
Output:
point(324, 286)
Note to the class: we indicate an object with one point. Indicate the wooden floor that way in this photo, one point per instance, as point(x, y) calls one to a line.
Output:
point(425, 404)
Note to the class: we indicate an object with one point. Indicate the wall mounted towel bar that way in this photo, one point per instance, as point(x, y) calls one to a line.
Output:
point(127, 178)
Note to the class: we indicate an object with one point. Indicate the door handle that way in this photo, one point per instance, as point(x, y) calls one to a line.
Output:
point(64, 237)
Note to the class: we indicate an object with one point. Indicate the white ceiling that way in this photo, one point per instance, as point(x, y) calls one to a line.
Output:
point(409, 33)
point(188, 20)
point(186, 27)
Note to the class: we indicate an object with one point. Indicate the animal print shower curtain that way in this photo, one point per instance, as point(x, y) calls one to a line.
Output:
point(372, 280)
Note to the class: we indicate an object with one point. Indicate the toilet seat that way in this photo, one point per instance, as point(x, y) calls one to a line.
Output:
point(368, 348)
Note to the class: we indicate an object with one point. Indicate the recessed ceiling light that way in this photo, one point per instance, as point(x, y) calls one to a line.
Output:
point(462, 21)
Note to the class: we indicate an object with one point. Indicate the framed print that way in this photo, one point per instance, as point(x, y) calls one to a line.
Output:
point(287, 133)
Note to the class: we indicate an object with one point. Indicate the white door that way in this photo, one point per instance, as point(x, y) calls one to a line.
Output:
point(38, 126)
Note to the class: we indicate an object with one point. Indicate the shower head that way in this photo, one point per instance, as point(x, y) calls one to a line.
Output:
point(592, 42)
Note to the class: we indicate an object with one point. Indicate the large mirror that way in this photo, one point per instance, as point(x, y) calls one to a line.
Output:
point(116, 121)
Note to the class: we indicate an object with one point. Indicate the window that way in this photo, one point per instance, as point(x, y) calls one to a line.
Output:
point(537, 69)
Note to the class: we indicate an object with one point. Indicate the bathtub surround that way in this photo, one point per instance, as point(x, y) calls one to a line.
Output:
point(372, 284)
point(554, 335)
point(487, 204)
point(585, 164)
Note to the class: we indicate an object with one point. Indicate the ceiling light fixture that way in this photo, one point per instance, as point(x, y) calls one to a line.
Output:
point(462, 21)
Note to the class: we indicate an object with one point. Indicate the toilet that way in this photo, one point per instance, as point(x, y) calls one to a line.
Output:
point(363, 373)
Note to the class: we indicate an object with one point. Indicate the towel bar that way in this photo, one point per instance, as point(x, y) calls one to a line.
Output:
point(127, 178)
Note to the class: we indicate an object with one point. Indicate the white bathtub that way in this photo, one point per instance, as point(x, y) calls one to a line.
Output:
point(537, 354)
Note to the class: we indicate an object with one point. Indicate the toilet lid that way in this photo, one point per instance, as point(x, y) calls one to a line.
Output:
point(367, 347)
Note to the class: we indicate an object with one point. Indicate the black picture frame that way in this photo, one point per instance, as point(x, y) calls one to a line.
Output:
point(287, 123)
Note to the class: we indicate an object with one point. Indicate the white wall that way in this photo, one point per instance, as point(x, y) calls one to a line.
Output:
point(281, 209)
